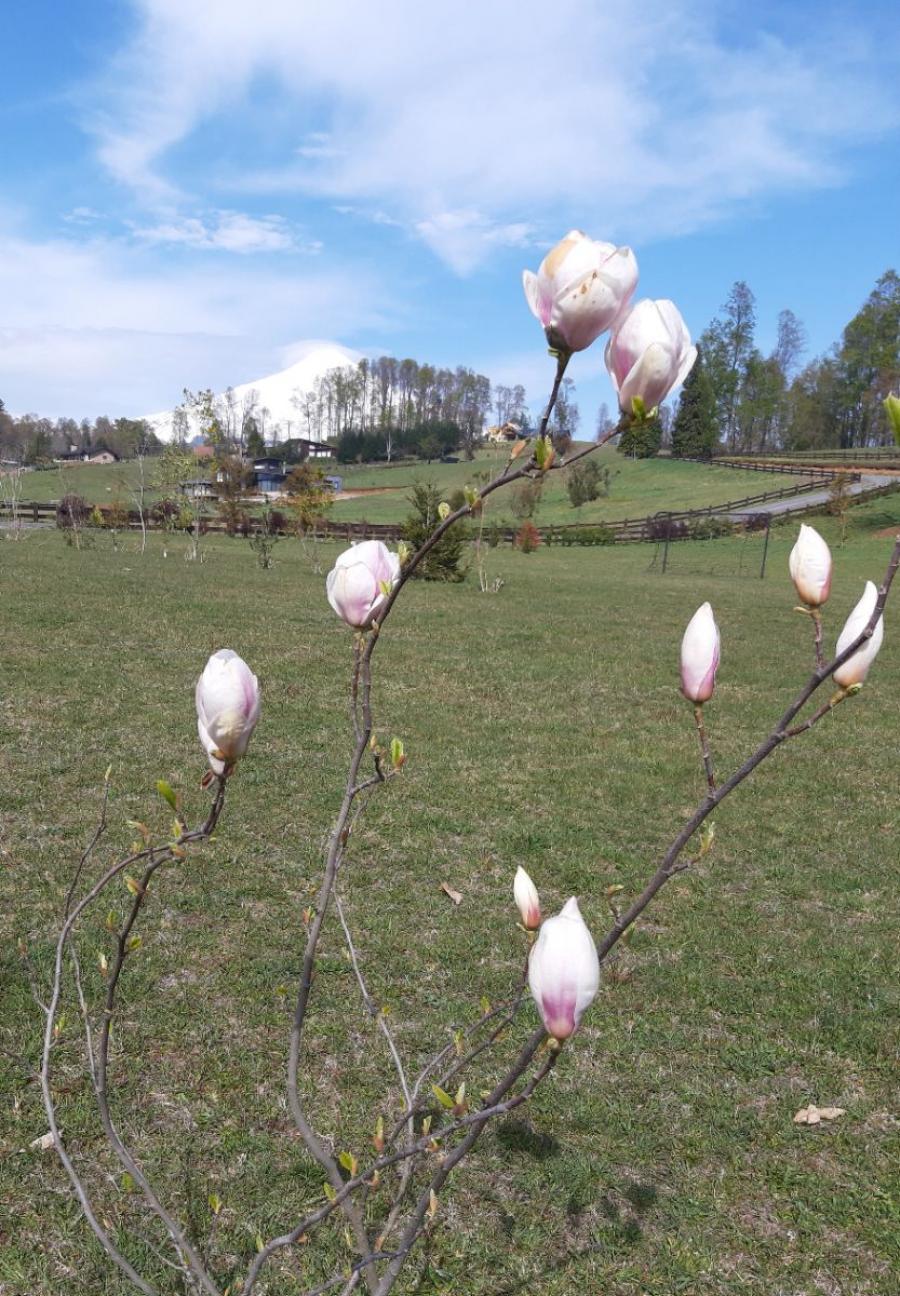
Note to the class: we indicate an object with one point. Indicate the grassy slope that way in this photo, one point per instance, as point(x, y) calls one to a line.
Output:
point(544, 728)
point(638, 487)
point(97, 483)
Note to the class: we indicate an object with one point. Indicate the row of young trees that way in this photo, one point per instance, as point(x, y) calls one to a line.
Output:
point(749, 402)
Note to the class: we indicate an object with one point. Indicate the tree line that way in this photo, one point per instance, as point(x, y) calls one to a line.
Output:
point(383, 401)
point(745, 401)
point(32, 440)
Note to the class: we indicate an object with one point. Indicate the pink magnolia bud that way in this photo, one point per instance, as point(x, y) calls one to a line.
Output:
point(527, 899)
point(580, 288)
point(361, 580)
point(564, 971)
point(810, 567)
point(856, 668)
point(227, 698)
point(700, 656)
point(649, 353)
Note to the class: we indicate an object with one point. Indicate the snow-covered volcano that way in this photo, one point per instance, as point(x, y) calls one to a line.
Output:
point(274, 399)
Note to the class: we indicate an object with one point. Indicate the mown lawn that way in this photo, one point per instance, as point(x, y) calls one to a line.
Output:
point(543, 727)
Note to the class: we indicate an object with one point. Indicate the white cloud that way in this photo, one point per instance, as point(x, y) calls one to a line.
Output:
point(100, 326)
point(82, 216)
point(464, 238)
point(471, 125)
point(226, 231)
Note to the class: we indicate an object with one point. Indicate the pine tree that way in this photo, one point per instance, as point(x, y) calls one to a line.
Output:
point(444, 561)
point(641, 440)
point(695, 432)
point(728, 344)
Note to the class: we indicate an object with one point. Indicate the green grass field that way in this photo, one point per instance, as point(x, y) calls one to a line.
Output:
point(543, 727)
point(638, 487)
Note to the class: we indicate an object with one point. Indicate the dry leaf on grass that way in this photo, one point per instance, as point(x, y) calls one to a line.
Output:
point(813, 1115)
point(449, 891)
point(44, 1143)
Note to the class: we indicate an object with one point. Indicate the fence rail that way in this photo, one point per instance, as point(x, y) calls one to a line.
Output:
point(767, 466)
point(862, 455)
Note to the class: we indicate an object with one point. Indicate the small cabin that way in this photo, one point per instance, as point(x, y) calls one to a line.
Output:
point(199, 488)
point(88, 456)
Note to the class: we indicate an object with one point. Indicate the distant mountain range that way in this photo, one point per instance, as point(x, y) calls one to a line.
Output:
point(275, 394)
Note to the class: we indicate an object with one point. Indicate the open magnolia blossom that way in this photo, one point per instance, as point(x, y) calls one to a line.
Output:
point(227, 698)
point(564, 971)
point(810, 567)
point(360, 581)
point(700, 650)
point(581, 286)
point(527, 900)
point(856, 668)
point(649, 353)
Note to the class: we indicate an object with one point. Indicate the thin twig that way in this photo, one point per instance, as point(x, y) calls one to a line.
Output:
point(71, 917)
point(704, 749)
point(427, 1198)
point(817, 622)
point(370, 1005)
point(493, 1106)
point(189, 1256)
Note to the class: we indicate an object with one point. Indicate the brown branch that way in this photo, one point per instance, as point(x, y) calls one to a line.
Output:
point(562, 361)
point(186, 1252)
point(704, 749)
point(71, 916)
point(781, 733)
point(414, 1227)
point(817, 622)
point(361, 711)
point(492, 1107)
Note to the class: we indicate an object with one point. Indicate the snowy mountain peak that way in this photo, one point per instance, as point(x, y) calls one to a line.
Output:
point(275, 400)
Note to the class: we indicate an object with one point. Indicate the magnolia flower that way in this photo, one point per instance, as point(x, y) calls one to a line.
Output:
point(856, 668)
point(227, 697)
point(649, 353)
point(527, 899)
point(892, 409)
point(361, 580)
point(810, 567)
point(580, 288)
point(700, 656)
point(564, 971)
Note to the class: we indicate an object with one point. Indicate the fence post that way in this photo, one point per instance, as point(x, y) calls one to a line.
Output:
point(666, 546)
point(762, 570)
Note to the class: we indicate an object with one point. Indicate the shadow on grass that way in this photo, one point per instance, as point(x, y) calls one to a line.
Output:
point(518, 1136)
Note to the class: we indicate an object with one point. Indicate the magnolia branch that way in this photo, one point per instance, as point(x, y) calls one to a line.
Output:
point(154, 857)
point(783, 731)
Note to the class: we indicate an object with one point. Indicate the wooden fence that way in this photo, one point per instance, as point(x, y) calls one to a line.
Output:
point(668, 525)
point(766, 466)
point(863, 456)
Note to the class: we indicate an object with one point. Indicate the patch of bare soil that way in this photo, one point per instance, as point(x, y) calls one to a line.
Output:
point(368, 490)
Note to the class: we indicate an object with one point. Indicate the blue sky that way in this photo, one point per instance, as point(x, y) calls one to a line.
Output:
point(193, 191)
